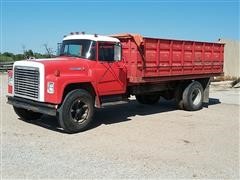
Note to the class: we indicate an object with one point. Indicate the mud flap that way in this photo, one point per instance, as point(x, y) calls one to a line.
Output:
point(206, 93)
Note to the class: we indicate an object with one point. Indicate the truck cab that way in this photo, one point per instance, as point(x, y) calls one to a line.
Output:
point(92, 63)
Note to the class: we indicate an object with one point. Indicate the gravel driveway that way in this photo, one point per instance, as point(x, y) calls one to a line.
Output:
point(127, 141)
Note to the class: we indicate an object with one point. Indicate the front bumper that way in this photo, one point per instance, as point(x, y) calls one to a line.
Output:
point(44, 108)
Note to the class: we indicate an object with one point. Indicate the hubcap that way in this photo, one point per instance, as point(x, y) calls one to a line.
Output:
point(196, 96)
point(79, 111)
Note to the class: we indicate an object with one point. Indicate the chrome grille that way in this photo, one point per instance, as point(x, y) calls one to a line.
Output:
point(26, 82)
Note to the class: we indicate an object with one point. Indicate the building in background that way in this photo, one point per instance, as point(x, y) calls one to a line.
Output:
point(231, 58)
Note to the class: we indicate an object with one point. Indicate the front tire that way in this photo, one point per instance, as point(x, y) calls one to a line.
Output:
point(148, 99)
point(27, 115)
point(75, 114)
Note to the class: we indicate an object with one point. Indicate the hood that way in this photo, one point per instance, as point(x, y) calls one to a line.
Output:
point(63, 64)
point(59, 61)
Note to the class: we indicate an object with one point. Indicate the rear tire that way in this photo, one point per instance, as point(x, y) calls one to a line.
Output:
point(178, 96)
point(168, 95)
point(193, 96)
point(148, 99)
point(27, 115)
point(76, 113)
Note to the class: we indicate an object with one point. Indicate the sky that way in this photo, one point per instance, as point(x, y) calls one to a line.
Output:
point(30, 24)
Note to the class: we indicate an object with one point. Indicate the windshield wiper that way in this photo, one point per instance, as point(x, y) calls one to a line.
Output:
point(63, 54)
point(70, 55)
point(73, 55)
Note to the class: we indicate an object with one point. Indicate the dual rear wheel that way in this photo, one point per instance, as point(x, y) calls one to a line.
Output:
point(148, 99)
point(188, 97)
point(192, 96)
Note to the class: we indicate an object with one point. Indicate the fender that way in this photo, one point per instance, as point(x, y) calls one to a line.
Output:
point(61, 82)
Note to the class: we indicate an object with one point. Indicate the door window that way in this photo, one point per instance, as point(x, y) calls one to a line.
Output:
point(109, 51)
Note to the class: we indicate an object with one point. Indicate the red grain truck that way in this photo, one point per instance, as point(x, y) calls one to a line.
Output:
point(93, 70)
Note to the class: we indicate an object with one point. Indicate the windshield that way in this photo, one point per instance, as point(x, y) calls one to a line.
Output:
point(79, 48)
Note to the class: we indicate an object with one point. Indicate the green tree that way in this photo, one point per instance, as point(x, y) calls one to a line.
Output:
point(18, 57)
point(5, 58)
point(8, 54)
point(28, 53)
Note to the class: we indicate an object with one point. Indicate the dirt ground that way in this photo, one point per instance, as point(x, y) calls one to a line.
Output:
point(127, 141)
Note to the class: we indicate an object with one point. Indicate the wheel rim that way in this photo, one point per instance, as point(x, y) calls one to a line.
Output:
point(196, 96)
point(79, 111)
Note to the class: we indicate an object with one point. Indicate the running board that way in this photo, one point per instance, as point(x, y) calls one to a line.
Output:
point(113, 103)
point(113, 100)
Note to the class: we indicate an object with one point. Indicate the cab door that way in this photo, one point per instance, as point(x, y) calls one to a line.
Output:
point(111, 71)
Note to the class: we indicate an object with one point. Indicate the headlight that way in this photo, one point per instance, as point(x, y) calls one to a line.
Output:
point(50, 87)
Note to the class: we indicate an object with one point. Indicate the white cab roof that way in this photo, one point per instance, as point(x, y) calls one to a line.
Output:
point(91, 37)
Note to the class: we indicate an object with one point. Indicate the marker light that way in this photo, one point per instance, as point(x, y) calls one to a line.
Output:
point(50, 87)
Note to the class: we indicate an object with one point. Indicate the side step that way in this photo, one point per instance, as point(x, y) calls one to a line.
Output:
point(113, 100)
point(113, 103)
